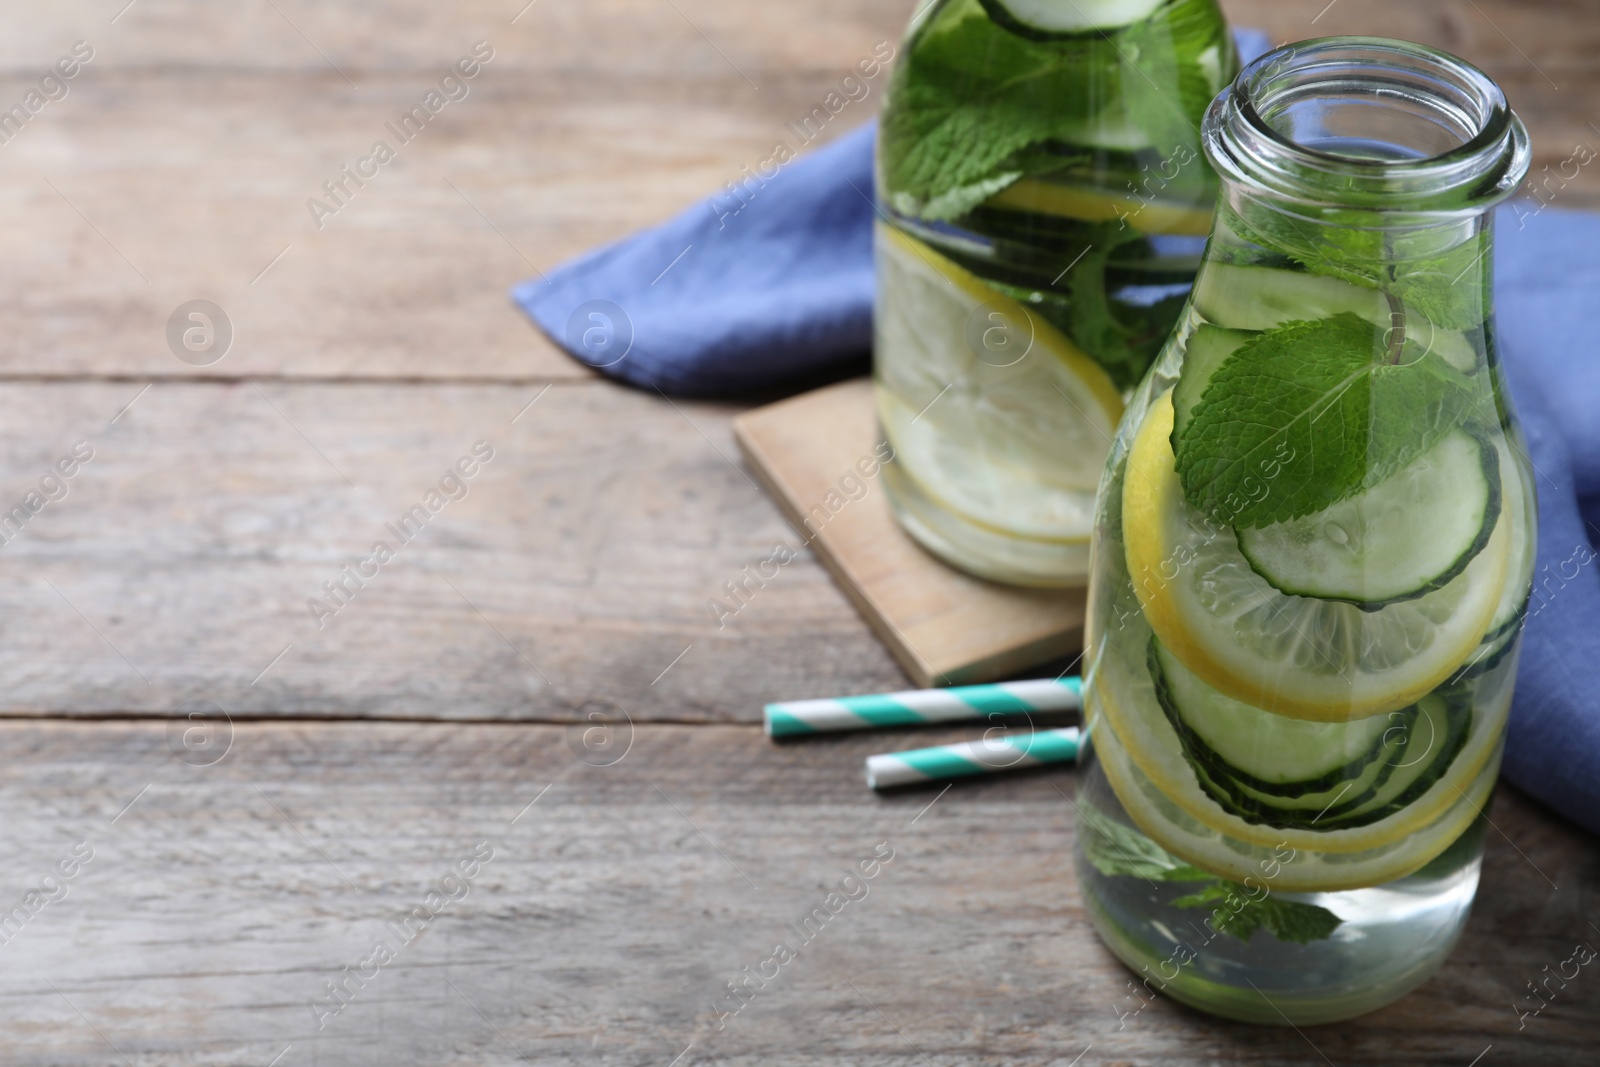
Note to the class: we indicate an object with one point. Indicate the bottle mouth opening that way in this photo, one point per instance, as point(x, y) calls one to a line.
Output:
point(1367, 122)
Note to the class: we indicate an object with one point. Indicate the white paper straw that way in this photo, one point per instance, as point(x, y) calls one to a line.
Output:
point(1009, 752)
point(915, 706)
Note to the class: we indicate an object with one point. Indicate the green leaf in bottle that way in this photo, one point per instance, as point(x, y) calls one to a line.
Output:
point(1305, 415)
point(957, 135)
point(1118, 851)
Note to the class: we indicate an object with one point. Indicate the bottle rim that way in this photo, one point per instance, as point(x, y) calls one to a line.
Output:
point(1248, 141)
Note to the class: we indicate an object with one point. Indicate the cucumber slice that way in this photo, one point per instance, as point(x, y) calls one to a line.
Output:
point(1402, 539)
point(1494, 649)
point(1045, 20)
point(1259, 298)
point(1208, 346)
point(1517, 493)
point(1306, 658)
point(1168, 802)
point(1276, 755)
point(1521, 513)
point(1319, 862)
point(1308, 811)
point(1415, 755)
point(1433, 744)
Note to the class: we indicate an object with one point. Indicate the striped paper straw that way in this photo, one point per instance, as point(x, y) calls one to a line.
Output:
point(1009, 753)
point(916, 706)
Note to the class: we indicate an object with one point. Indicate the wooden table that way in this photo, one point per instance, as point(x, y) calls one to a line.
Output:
point(534, 688)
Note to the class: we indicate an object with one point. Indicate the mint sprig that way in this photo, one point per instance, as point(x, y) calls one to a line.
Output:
point(1305, 415)
point(976, 107)
point(1123, 339)
point(1237, 915)
point(1117, 851)
point(1448, 287)
point(1093, 325)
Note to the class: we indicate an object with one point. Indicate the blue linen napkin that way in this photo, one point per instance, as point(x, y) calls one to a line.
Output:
point(737, 295)
point(1547, 270)
point(764, 284)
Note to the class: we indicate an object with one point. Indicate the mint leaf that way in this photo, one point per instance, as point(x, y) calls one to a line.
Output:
point(1096, 327)
point(1235, 913)
point(1353, 253)
point(1447, 288)
point(1117, 850)
point(1211, 894)
point(1450, 289)
point(974, 107)
point(1292, 920)
point(1122, 336)
point(966, 99)
point(1305, 415)
point(1240, 916)
point(1093, 326)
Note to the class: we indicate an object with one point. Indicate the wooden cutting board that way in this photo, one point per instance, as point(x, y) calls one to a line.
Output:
point(815, 454)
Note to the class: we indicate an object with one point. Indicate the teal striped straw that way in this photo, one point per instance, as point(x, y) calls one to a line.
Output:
point(913, 707)
point(1013, 752)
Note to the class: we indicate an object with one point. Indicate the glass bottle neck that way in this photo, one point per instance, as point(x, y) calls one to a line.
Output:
point(1366, 133)
point(1364, 156)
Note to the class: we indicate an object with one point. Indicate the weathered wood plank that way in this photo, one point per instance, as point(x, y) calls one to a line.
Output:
point(817, 454)
point(128, 197)
point(408, 279)
point(357, 36)
point(1541, 53)
point(614, 909)
point(580, 566)
point(591, 121)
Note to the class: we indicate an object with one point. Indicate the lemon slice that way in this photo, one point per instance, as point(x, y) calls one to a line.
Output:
point(1298, 656)
point(1280, 865)
point(1123, 695)
point(1092, 205)
point(991, 411)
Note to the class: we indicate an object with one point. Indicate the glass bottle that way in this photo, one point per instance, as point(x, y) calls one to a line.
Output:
point(1313, 553)
point(1045, 204)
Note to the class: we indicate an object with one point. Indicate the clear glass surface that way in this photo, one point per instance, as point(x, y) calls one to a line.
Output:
point(1046, 204)
point(1313, 553)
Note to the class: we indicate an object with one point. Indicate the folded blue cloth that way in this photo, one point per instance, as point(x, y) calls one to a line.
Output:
point(1547, 270)
point(754, 291)
point(767, 283)
point(760, 286)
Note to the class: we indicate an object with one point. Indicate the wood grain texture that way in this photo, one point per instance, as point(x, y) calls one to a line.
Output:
point(181, 163)
point(617, 906)
point(816, 454)
point(573, 581)
point(581, 564)
point(1541, 52)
